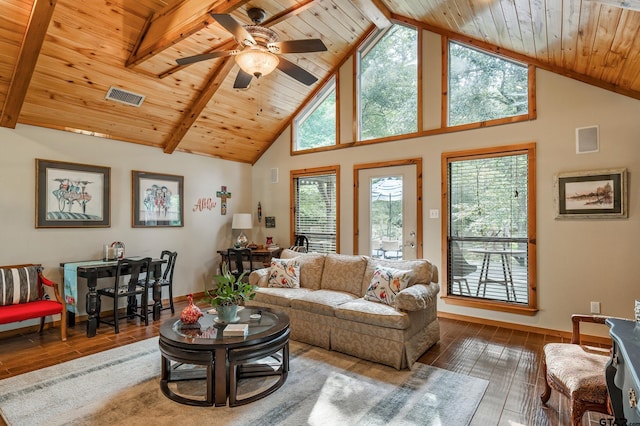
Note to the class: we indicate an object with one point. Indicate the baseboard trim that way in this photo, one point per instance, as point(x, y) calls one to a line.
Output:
point(606, 341)
point(446, 315)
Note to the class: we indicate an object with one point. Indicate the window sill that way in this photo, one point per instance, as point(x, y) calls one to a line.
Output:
point(491, 305)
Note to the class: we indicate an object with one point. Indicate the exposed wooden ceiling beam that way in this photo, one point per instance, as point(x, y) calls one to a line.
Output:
point(292, 11)
point(376, 11)
point(162, 30)
point(199, 103)
point(231, 43)
point(41, 14)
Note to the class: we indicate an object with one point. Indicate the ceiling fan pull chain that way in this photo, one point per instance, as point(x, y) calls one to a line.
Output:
point(259, 100)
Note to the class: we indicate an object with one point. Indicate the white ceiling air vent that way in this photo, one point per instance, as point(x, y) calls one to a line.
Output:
point(124, 96)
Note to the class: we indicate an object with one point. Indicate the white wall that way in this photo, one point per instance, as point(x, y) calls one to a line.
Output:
point(196, 243)
point(578, 261)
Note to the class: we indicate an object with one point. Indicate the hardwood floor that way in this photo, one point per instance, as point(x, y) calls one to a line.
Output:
point(509, 359)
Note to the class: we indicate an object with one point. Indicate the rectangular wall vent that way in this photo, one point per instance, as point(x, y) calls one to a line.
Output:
point(587, 139)
point(124, 96)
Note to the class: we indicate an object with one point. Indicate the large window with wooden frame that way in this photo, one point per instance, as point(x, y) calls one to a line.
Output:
point(483, 87)
point(316, 125)
point(387, 81)
point(315, 207)
point(489, 202)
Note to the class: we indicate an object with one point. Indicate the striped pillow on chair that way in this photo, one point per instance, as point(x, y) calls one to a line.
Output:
point(19, 285)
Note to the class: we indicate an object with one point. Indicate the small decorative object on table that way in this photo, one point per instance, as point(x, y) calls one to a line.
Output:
point(119, 249)
point(190, 314)
point(108, 253)
point(236, 330)
point(228, 293)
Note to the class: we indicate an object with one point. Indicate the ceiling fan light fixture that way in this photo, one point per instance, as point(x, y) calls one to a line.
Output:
point(257, 62)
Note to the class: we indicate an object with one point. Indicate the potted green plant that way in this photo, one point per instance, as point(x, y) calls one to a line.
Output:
point(228, 293)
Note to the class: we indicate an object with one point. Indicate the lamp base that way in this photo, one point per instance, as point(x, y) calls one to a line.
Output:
point(242, 240)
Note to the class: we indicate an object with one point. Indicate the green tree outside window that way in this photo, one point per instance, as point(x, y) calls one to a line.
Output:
point(388, 77)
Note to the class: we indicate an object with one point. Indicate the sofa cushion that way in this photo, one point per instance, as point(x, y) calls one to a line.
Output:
point(18, 285)
point(284, 273)
point(386, 283)
point(278, 296)
point(379, 314)
point(311, 267)
point(344, 273)
point(424, 271)
point(321, 302)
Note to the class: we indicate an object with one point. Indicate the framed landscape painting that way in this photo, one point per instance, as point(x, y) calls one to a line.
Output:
point(158, 200)
point(598, 194)
point(71, 195)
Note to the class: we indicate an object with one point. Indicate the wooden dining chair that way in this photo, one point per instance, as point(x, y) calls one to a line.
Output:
point(577, 372)
point(300, 243)
point(240, 261)
point(166, 280)
point(135, 283)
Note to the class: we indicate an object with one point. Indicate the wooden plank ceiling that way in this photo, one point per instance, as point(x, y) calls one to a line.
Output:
point(58, 59)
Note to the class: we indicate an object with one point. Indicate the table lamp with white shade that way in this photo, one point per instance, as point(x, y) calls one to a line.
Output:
point(242, 221)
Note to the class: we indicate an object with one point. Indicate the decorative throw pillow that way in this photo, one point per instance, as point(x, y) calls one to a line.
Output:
point(284, 273)
point(386, 283)
point(18, 285)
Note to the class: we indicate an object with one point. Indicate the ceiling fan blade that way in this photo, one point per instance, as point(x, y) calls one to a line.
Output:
point(229, 23)
point(294, 71)
point(243, 79)
point(298, 46)
point(203, 57)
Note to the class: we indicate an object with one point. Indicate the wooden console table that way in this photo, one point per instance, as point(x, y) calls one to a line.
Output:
point(623, 371)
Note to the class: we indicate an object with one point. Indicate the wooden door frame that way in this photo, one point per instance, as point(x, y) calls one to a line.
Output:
point(356, 194)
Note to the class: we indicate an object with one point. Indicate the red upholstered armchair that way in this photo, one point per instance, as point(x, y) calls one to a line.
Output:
point(23, 296)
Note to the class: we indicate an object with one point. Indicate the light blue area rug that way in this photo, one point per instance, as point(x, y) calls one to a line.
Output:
point(121, 386)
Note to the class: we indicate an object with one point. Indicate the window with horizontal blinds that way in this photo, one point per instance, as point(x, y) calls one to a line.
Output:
point(488, 205)
point(315, 211)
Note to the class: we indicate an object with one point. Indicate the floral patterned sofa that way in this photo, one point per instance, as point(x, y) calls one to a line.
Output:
point(380, 310)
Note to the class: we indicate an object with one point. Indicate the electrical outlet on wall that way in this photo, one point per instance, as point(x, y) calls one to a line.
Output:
point(595, 307)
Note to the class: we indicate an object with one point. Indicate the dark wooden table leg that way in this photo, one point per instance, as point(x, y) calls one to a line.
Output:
point(71, 318)
point(220, 377)
point(92, 302)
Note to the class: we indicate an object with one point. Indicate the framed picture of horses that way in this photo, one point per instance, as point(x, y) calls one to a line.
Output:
point(158, 199)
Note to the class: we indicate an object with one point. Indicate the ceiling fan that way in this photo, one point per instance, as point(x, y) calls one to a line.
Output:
point(260, 49)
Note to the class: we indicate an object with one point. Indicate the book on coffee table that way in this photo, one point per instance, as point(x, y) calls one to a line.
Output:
point(236, 330)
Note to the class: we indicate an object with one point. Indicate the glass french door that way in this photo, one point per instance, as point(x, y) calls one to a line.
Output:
point(387, 212)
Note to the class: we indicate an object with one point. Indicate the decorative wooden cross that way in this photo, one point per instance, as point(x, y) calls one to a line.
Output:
point(223, 195)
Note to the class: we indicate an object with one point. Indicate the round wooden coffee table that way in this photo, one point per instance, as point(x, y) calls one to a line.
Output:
point(219, 356)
